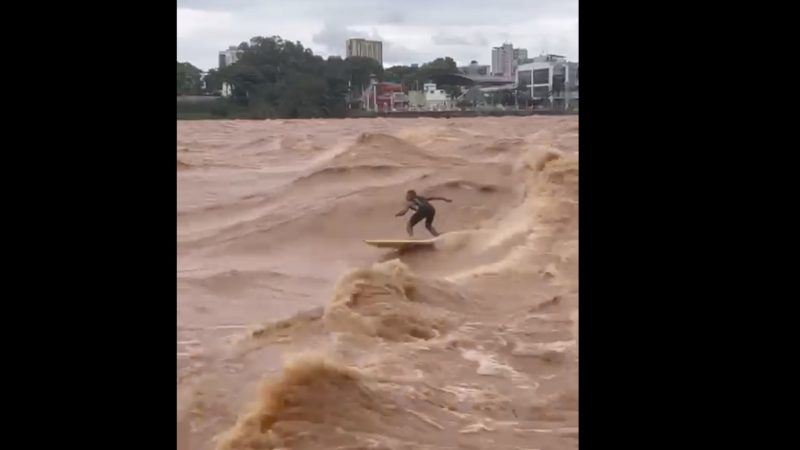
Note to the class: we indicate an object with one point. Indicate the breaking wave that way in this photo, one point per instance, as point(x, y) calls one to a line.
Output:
point(470, 345)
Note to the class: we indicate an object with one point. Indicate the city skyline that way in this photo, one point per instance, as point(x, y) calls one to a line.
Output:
point(205, 27)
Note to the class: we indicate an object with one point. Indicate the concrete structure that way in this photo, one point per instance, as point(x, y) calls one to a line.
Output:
point(548, 57)
point(416, 100)
point(430, 99)
point(550, 81)
point(434, 97)
point(229, 56)
point(474, 96)
point(506, 58)
point(462, 79)
point(490, 80)
point(520, 57)
point(502, 60)
point(365, 48)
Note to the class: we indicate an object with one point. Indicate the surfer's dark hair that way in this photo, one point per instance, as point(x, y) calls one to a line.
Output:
point(411, 192)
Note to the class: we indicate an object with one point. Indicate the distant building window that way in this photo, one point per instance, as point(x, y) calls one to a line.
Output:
point(524, 78)
point(222, 61)
point(541, 76)
point(558, 83)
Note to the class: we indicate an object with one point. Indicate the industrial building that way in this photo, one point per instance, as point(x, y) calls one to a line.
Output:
point(365, 48)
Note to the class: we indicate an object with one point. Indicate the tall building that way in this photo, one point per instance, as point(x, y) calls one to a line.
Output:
point(506, 58)
point(365, 48)
point(226, 58)
point(229, 56)
point(502, 60)
point(520, 57)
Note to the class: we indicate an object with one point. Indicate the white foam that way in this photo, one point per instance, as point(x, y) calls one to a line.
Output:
point(540, 348)
point(489, 366)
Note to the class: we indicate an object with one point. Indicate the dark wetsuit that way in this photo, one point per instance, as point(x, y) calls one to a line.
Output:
point(424, 210)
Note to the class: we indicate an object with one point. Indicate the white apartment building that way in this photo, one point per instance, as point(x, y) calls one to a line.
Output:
point(550, 79)
point(506, 58)
point(502, 60)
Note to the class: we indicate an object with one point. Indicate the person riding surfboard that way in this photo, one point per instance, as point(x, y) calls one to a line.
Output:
point(424, 210)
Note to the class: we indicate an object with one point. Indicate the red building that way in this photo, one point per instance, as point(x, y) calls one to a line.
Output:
point(385, 97)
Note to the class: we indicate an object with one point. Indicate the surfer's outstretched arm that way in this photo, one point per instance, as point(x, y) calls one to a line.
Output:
point(403, 212)
point(438, 198)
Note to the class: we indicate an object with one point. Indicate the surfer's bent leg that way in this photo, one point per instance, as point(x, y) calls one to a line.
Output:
point(419, 215)
point(429, 222)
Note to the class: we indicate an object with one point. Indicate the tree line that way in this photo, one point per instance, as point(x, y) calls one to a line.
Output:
point(190, 80)
point(282, 79)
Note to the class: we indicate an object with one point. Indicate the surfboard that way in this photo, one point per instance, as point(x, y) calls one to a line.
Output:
point(400, 244)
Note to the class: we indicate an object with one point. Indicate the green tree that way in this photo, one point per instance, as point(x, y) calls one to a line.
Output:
point(453, 91)
point(278, 78)
point(440, 65)
point(213, 82)
point(336, 78)
point(405, 75)
point(413, 78)
point(189, 79)
point(359, 70)
point(437, 70)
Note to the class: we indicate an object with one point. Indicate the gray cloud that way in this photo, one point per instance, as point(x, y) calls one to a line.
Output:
point(388, 11)
point(333, 37)
point(218, 5)
point(462, 29)
point(393, 17)
point(476, 39)
point(393, 52)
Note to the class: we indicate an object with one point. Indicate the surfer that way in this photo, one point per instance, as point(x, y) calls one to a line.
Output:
point(424, 210)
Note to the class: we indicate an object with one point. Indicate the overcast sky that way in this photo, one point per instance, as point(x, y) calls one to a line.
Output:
point(412, 31)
